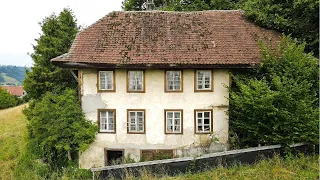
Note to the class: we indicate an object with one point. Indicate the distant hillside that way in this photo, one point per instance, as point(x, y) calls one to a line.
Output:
point(12, 74)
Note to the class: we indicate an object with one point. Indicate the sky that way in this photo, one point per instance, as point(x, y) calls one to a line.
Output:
point(19, 23)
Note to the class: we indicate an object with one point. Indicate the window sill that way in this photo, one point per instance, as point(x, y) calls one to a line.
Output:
point(107, 132)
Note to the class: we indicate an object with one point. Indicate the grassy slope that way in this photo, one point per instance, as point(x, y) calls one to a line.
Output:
point(8, 79)
point(12, 139)
point(276, 168)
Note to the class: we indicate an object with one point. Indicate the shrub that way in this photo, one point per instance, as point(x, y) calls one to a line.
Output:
point(6, 99)
point(279, 103)
point(58, 128)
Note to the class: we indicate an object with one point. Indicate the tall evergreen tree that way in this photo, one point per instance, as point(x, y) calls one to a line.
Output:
point(58, 33)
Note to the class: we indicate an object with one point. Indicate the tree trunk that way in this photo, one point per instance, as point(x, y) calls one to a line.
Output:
point(69, 156)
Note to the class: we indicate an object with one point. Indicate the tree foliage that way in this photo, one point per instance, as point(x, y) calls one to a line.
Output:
point(58, 33)
point(6, 99)
point(298, 18)
point(279, 103)
point(58, 127)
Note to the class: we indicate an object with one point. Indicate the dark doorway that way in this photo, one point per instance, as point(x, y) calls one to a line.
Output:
point(113, 156)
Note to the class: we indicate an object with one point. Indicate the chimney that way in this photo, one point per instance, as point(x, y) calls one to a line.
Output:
point(149, 5)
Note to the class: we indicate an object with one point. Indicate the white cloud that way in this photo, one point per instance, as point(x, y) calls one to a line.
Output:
point(19, 21)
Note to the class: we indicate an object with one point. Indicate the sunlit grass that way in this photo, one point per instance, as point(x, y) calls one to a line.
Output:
point(303, 167)
point(13, 133)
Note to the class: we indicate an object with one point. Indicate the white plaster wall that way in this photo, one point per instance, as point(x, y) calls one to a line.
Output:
point(154, 101)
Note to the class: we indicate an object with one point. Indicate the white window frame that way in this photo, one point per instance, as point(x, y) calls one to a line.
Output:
point(105, 80)
point(136, 123)
point(206, 73)
point(135, 80)
point(172, 80)
point(173, 121)
point(106, 123)
point(202, 121)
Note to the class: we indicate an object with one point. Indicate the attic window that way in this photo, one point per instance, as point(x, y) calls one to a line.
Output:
point(106, 81)
point(135, 81)
point(203, 80)
point(173, 81)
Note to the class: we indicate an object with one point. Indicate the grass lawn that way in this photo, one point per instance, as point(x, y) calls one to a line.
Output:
point(13, 133)
point(304, 167)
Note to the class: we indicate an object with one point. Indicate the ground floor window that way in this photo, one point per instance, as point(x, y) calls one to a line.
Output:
point(173, 121)
point(136, 121)
point(203, 121)
point(113, 156)
point(156, 154)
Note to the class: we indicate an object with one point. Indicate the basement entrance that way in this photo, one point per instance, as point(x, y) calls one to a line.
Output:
point(113, 156)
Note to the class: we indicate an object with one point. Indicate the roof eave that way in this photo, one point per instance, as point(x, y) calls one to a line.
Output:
point(152, 66)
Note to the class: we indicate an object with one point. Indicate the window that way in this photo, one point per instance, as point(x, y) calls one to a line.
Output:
point(173, 121)
point(107, 120)
point(203, 121)
point(203, 80)
point(135, 81)
point(173, 81)
point(156, 154)
point(106, 81)
point(113, 156)
point(136, 121)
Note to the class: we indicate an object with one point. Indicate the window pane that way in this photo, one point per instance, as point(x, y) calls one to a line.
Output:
point(132, 120)
point(110, 126)
point(206, 114)
point(139, 114)
point(199, 114)
point(177, 122)
point(206, 128)
point(206, 121)
point(110, 114)
point(140, 120)
point(111, 120)
point(132, 114)
point(177, 128)
point(169, 114)
point(177, 115)
point(103, 114)
point(132, 128)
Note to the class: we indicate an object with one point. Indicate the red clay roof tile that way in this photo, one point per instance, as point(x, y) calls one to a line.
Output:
point(159, 37)
point(14, 90)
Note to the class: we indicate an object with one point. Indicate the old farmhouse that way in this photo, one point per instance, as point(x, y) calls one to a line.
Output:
point(155, 82)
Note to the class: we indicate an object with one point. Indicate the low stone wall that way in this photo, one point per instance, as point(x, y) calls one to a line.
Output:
point(196, 164)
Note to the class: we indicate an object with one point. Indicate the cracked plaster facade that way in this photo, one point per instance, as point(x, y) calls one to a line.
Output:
point(154, 101)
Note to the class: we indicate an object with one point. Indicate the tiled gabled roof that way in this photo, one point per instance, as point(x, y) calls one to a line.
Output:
point(159, 37)
point(14, 90)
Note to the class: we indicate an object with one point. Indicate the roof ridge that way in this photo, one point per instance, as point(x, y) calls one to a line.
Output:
point(182, 12)
point(153, 11)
